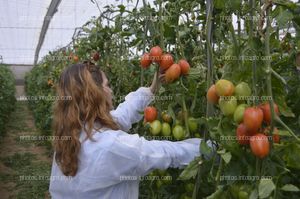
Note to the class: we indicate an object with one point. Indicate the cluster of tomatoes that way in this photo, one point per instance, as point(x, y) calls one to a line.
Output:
point(168, 127)
point(95, 56)
point(250, 119)
point(166, 64)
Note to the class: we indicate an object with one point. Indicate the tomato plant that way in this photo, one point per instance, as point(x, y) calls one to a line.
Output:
point(7, 96)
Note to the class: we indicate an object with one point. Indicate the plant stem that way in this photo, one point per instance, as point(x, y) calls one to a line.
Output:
point(257, 168)
point(161, 31)
point(144, 39)
point(268, 68)
point(277, 119)
point(197, 184)
point(239, 26)
point(278, 76)
point(219, 173)
point(208, 30)
point(185, 113)
point(209, 78)
point(161, 25)
point(254, 71)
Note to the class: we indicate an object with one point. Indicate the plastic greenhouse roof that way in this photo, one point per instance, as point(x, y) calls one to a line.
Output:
point(21, 23)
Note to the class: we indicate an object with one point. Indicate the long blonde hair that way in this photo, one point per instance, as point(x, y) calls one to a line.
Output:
point(82, 84)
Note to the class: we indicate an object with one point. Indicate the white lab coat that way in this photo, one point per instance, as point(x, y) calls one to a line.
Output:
point(110, 167)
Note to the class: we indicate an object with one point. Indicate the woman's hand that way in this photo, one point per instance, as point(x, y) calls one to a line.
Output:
point(156, 82)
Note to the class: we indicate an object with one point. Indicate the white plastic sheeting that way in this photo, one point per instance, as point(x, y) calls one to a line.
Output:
point(20, 25)
point(21, 22)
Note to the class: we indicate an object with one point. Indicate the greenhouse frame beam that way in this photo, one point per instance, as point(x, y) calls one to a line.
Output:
point(47, 19)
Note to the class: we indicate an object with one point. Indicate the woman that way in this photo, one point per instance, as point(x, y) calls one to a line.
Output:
point(94, 156)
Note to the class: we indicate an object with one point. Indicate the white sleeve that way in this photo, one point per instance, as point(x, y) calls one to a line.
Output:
point(134, 156)
point(127, 112)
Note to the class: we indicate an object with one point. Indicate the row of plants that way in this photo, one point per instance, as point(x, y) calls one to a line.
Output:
point(237, 86)
point(7, 95)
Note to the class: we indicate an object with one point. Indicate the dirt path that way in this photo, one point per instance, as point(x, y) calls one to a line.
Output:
point(25, 162)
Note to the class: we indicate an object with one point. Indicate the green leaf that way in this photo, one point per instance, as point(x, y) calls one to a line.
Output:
point(265, 188)
point(191, 170)
point(284, 17)
point(287, 3)
point(254, 194)
point(233, 4)
point(217, 194)
point(171, 111)
point(122, 8)
point(283, 108)
point(223, 151)
point(290, 187)
point(284, 133)
point(292, 155)
point(219, 4)
point(226, 157)
point(205, 149)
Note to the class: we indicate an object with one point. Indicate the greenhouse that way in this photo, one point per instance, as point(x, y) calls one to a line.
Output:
point(150, 99)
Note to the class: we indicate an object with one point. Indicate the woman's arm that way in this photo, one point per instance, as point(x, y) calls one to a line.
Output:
point(128, 112)
point(134, 156)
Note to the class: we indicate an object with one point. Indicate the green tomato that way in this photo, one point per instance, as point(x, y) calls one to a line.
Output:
point(166, 129)
point(178, 132)
point(239, 113)
point(242, 90)
point(155, 127)
point(228, 105)
point(178, 122)
point(193, 125)
point(166, 117)
point(243, 195)
point(234, 190)
point(181, 115)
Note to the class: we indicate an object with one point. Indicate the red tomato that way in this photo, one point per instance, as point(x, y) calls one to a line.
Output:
point(145, 60)
point(184, 66)
point(96, 56)
point(253, 118)
point(260, 145)
point(150, 113)
point(242, 135)
point(173, 73)
point(156, 53)
point(166, 61)
point(276, 138)
point(267, 111)
point(75, 58)
point(211, 95)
